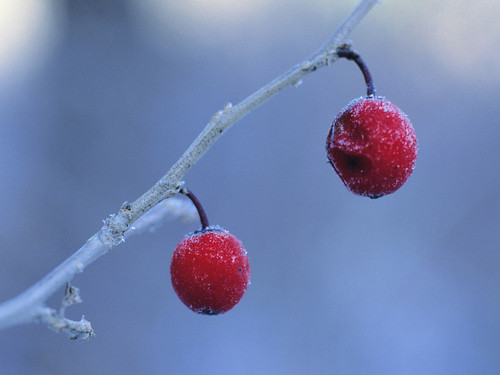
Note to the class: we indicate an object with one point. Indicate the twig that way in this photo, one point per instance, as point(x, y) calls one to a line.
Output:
point(59, 323)
point(30, 305)
point(81, 329)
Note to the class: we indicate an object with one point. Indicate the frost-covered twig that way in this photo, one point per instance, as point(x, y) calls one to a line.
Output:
point(81, 329)
point(30, 305)
point(167, 210)
point(169, 184)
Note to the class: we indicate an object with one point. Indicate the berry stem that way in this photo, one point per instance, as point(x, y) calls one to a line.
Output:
point(351, 55)
point(199, 207)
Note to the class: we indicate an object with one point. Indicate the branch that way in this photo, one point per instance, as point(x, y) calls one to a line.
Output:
point(59, 323)
point(74, 329)
point(30, 305)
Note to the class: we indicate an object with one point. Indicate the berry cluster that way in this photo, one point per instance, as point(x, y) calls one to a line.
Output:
point(373, 148)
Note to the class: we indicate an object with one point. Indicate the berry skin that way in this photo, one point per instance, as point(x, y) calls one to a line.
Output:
point(372, 146)
point(210, 271)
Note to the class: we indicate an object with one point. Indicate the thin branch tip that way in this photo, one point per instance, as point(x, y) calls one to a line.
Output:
point(81, 329)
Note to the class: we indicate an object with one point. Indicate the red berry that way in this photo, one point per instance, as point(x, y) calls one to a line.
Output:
point(210, 271)
point(372, 146)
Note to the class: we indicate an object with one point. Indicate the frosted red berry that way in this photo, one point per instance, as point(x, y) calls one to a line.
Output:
point(372, 146)
point(210, 271)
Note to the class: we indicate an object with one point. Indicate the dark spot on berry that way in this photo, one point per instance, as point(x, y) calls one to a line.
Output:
point(207, 311)
point(351, 163)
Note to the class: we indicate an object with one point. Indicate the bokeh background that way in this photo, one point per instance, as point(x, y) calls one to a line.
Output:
point(99, 98)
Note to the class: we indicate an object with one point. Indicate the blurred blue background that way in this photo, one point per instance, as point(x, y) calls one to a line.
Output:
point(99, 98)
